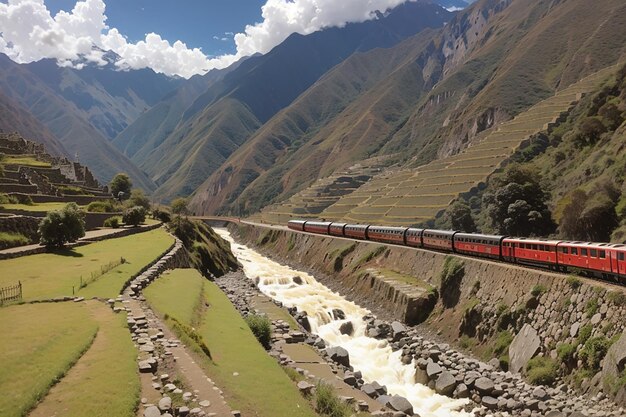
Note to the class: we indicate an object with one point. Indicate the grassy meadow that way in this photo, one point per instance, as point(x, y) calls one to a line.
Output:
point(40, 344)
point(261, 387)
point(50, 275)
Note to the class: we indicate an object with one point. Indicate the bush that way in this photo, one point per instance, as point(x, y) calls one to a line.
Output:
point(327, 403)
point(541, 371)
point(161, 215)
point(617, 297)
point(261, 327)
point(179, 206)
point(101, 207)
point(538, 290)
point(113, 222)
point(592, 307)
point(134, 216)
point(502, 343)
point(8, 199)
point(120, 186)
point(61, 227)
point(138, 198)
point(574, 282)
point(565, 352)
point(11, 240)
point(584, 334)
point(593, 352)
point(22, 199)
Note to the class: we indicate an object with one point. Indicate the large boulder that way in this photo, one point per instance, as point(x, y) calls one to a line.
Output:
point(346, 328)
point(339, 355)
point(399, 403)
point(446, 383)
point(152, 411)
point(614, 364)
point(524, 347)
point(484, 386)
point(398, 330)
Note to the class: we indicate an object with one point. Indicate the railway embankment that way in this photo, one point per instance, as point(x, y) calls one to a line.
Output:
point(556, 329)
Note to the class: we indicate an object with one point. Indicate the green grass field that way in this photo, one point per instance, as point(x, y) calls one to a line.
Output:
point(39, 344)
point(186, 284)
point(104, 382)
point(262, 388)
point(35, 207)
point(52, 275)
point(24, 160)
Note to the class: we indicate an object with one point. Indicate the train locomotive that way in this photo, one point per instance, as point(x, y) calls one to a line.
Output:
point(603, 260)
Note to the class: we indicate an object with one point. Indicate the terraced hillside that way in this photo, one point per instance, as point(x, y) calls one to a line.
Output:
point(313, 200)
point(408, 197)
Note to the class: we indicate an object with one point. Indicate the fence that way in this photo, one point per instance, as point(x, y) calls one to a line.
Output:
point(13, 293)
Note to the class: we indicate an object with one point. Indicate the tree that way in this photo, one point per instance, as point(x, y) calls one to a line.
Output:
point(121, 183)
point(63, 226)
point(179, 206)
point(134, 216)
point(138, 198)
point(459, 217)
point(591, 129)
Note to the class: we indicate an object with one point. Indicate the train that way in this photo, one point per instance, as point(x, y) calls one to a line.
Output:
point(602, 260)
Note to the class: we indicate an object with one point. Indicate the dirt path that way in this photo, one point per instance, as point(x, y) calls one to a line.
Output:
point(177, 363)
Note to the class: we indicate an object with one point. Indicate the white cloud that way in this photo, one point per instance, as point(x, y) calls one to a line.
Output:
point(28, 32)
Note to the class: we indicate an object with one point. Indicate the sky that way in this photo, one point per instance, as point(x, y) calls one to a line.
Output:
point(177, 38)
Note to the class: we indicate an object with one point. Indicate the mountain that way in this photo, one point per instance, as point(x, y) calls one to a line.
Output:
point(231, 110)
point(106, 97)
point(67, 123)
point(491, 61)
point(15, 118)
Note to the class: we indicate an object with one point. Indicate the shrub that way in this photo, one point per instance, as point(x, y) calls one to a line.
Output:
point(261, 327)
point(537, 290)
point(61, 227)
point(327, 403)
point(8, 199)
point(179, 206)
point(138, 198)
point(100, 207)
point(574, 282)
point(541, 371)
point(23, 199)
point(10, 240)
point(502, 343)
point(617, 297)
point(134, 216)
point(592, 307)
point(113, 222)
point(593, 352)
point(161, 215)
point(120, 186)
point(584, 334)
point(565, 352)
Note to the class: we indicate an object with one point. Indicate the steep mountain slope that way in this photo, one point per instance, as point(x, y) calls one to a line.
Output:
point(76, 134)
point(264, 85)
point(15, 118)
point(492, 61)
point(109, 99)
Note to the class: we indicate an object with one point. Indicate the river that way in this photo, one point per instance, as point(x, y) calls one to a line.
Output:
point(374, 358)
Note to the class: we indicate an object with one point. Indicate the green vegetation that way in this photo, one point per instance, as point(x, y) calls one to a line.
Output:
point(61, 227)
point(368, 257)
point(210, 254)
point(592, 307)
point(542, 371)
point(617, 297)
point(24, 160)
point(34, 207)
point(134, 216)
point(234, 349)
point(261, 328)
point(50, 275)
point(294, 375)
point(107, 206)
point(327, 403)
point(574, 282)
point(179, 206)
point(104, 381)
point(467, 342)
point(451, 275)
point(593, 352)
point(188, 289)
point(113, 222)
point(537, 290)
point(584, 333)
point(340, 254)
point(10, 240)
point(41, 343)
point(138, 198)
point(565, 352)
point(120, 186)
point(457, 216)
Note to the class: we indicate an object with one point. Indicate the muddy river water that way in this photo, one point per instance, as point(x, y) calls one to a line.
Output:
point(374, 358)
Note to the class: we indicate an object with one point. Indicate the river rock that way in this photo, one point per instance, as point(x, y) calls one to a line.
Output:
point(484, 385)
point(489, 402)
point(433, 369)
point(297, 280)
point(304, 387)
point(446, 383)
point(151, 411)
point(399, 403)
point(338, 314)
point(339, 355)
point(461, 391)
point(347, 328)
point(165, 404)
point(398, 330)
point(350, 379)
point(524, 347)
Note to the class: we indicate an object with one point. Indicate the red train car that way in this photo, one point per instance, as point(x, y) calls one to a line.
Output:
point(530, 251)
point(438, 239)
point(606, 258)
point(337, 229)
point(414, 237)
point(387, 234)
point(296, 225)
point(317, 227)
point(356, 231)
point(487, 246)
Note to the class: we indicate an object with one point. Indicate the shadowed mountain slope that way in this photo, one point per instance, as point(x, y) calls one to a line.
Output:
point(492, 61)
point(264, 85)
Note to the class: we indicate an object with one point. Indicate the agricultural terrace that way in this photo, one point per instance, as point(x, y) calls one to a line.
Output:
point(260, 387)
point(79, 271)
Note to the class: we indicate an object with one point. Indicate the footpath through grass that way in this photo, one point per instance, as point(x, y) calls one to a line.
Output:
point(104, 382)
point(50, 275)
point(261, 387)
point(39, 343)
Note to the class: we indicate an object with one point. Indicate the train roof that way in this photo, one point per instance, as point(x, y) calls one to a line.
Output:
point(594, 244)
point(538, 241)
point(479, 236)
point(445, 232)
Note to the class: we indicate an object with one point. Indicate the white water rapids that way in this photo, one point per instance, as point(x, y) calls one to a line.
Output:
point(374, 358)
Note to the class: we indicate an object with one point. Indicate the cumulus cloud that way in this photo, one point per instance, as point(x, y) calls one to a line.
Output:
point(28, 32)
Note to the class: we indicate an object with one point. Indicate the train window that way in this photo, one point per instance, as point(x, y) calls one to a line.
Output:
point(574, 251)
point(541, 247)
point(593, 253)
point(565, 250)
point(583, 252)
point(620, 256)
point(535, 247)
point(602, 254)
